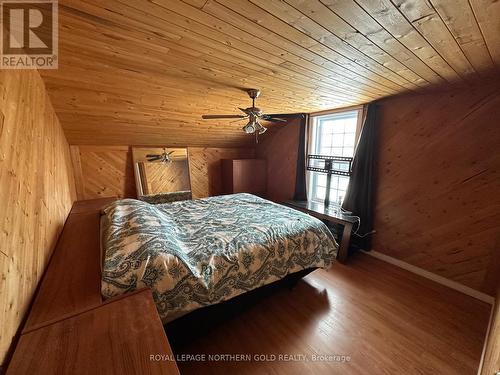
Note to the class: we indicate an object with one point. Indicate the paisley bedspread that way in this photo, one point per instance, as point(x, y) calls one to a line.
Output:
point(202, 252)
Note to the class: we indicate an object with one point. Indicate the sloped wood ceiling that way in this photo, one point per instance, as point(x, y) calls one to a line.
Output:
point(143, 72)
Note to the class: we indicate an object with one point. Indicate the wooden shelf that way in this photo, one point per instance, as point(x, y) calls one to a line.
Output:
point(117, 337)
point(72, 281)
point(70, 330)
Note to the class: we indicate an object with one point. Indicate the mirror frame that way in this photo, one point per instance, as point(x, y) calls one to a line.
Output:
point(139, 156)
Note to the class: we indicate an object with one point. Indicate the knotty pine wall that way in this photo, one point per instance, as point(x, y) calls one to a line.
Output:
point(438, 188)
point(36, 191)
point(103, 171)
point(106, 171)
point(206, 169)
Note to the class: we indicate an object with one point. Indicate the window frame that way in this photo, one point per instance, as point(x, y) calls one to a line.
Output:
point(312, 118)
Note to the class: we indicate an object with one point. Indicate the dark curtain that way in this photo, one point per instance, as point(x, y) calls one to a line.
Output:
point(359, 198)
point(300, 177)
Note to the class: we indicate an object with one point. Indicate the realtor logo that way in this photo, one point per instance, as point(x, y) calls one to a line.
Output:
point(28, 34)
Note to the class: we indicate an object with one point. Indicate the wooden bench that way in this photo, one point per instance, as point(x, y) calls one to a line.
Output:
point(70, 329)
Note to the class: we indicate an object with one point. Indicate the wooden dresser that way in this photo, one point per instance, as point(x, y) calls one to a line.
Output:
point(244, 176)
point(70, 330)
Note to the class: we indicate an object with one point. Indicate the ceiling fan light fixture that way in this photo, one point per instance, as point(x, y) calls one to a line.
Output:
point(249, 128)
point(254, 114)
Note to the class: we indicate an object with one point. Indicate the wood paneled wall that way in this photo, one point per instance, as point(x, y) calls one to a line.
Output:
point(206, 168)
point(104, 171)
point(438, 188)
point(36, 192)
point(280, 150)
point(438, 181)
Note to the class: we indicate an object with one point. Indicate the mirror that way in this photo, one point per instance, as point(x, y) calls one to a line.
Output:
point(161, 174)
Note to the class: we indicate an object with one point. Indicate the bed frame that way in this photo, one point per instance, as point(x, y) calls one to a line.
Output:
point(71, 297)
point(197, 323)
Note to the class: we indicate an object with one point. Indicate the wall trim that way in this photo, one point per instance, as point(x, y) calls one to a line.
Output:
point(432, 276)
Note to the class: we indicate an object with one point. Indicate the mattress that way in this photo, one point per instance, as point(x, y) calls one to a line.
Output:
point(202, 252)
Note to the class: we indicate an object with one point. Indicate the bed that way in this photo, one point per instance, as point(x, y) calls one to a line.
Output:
point(201, 252)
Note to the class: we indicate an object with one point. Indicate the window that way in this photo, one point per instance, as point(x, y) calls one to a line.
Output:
point(334, 134)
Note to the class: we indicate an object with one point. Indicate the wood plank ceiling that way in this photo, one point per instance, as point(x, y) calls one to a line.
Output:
point(143, 72)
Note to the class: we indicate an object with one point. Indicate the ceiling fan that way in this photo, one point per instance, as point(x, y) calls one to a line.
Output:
point(254, 114)
point(164, 157)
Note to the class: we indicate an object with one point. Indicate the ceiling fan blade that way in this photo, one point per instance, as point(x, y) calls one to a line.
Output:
point(244, 110)
point(274, 119)
point(286, 115)
point(153, 158)
point(211, 117)
point(244, 118)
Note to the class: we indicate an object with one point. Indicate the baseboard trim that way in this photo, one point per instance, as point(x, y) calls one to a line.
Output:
point(432, 276)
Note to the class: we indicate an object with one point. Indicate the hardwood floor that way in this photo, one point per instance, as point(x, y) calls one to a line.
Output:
point(387, 320)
